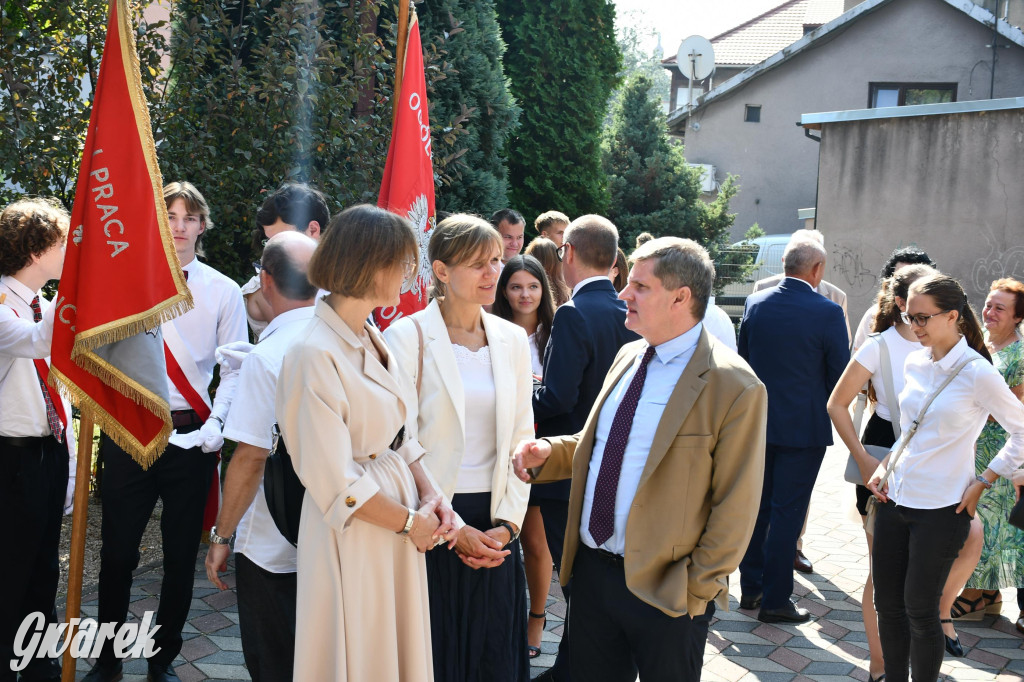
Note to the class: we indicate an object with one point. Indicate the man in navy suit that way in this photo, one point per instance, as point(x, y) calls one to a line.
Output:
point(586, 334)
point(795, 340)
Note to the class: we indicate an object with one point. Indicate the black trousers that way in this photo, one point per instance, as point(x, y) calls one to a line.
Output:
point(555, 513)
point(767, 566)
point(615, 635)
point(912, 554)
point(33, 483)
point(181, 479)
point(266, 619)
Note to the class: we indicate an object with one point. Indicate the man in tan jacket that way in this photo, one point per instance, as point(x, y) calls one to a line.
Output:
point(666, 480)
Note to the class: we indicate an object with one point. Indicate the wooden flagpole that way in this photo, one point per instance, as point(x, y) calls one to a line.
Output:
point(403, 41)
point(79, 519)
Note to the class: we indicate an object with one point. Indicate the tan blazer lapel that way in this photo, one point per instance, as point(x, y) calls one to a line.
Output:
point(683, 397)
point(438, 350)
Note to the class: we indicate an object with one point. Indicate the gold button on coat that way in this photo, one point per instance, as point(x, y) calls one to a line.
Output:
point(350, 501)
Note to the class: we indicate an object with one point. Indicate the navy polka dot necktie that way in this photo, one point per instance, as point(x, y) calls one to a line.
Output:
point(602, 514)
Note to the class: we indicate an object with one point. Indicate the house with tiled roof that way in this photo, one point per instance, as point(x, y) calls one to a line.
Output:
point(878, 53)
point(754, 41)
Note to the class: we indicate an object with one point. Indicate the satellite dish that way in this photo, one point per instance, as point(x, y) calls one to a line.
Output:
point(696, 58)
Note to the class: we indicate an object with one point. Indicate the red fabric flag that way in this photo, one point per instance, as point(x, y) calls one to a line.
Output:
point(121, 276)
point(408, 185)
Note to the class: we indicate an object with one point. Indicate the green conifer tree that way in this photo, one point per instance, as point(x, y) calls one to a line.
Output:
point(472, 111)
point(562, 60)
point(650, 186)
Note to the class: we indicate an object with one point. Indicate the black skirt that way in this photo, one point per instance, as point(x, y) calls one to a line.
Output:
point(878, 431)
point(477, 617)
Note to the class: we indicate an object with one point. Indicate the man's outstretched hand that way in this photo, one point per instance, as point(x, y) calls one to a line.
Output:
point(530, 454)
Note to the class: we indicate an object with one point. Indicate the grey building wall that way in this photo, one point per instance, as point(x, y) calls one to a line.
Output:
point(903, 41)
point(951, 184)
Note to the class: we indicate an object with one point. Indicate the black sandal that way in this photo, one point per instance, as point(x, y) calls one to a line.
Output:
point(534, 651)
point(880, 678)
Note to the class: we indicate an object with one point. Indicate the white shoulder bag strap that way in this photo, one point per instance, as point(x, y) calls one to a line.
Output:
point(917, 422)
point(885, 362)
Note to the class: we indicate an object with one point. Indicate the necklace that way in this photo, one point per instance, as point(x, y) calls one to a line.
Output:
point(1011, 338)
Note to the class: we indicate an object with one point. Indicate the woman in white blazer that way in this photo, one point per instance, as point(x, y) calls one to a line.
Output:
point(474, 407)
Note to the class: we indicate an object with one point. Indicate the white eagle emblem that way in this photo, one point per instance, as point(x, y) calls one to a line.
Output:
point(419, 216)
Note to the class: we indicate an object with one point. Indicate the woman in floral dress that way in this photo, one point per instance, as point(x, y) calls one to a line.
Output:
point(1002, 557)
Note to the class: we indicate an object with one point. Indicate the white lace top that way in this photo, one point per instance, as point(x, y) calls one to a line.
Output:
point(477, 468)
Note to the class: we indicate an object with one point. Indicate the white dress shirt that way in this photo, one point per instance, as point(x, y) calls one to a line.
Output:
point(663, 372)
point(536, 355)
point(251, 421)
point(719, 325)
point(217, 319)
point(869, 356)
point(938, 464)
point(588, 280)
point(22, 410)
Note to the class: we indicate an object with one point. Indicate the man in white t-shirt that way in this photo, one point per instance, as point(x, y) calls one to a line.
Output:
point(265, 562)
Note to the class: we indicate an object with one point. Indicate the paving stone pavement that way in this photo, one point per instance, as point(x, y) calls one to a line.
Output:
point(830, 648)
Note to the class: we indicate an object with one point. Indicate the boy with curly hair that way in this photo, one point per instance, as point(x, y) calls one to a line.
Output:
point(34, 452)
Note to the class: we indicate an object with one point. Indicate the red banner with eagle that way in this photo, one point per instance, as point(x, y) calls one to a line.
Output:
point(121, 276)
point(408, 185)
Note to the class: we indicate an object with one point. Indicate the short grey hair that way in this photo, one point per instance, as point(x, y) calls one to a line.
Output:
point(680, 263)
point(802, 253)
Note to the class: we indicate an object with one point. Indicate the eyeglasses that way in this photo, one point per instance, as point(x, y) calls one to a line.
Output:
point(257, 267)
point(920, 319)
point(408, 268)
point(560, 251)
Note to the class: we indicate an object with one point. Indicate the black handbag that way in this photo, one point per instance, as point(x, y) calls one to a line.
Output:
point(1016, 516)
point(283, 489)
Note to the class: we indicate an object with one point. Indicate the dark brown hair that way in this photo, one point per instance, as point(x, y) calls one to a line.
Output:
point(360, 242)
point(29, 228)
point(897, 286)
point(622, 264)
point(947, 294)
point(545, 313)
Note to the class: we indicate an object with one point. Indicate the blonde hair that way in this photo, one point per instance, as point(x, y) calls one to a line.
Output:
point(457, 239)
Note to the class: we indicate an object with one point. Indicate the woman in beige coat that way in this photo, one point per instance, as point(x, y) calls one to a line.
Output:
point(475, 405)
point(362, 612)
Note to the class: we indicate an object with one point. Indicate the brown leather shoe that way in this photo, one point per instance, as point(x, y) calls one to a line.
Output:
point(802, 563)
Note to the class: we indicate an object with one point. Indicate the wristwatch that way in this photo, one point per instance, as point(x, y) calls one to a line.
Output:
point(511, 533)
point(217, 539)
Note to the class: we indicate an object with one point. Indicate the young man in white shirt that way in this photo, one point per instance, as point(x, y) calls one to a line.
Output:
point(265, 562)
point(292, 206)
point(33, 420)
point(181, 477)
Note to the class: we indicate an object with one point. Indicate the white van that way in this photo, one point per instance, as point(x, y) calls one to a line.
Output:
point(767, 263)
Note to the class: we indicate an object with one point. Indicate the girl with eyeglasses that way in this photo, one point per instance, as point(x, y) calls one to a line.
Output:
point(930, 499)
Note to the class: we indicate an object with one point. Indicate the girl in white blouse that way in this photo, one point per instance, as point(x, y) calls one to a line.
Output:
point(932, 494)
